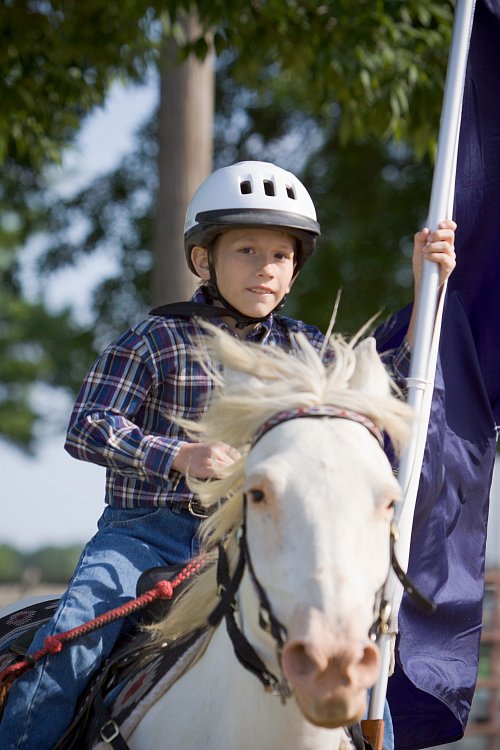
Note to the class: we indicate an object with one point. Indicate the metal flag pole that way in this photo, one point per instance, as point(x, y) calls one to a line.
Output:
point(427, 328)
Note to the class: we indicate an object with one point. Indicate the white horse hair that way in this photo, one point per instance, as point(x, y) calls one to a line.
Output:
point(318, 534)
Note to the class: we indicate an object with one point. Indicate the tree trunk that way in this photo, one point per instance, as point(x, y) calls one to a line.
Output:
point(185, 159)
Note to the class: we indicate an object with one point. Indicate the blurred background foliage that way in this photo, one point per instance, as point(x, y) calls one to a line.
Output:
point(46, 564)
point(346, 94)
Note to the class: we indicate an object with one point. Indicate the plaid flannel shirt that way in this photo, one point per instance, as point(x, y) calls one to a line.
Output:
point(122, 416)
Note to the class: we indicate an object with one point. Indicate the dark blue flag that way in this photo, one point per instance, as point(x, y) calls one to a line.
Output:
point(437, 656)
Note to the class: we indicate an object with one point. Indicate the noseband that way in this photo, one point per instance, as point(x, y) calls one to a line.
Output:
point(228, 585)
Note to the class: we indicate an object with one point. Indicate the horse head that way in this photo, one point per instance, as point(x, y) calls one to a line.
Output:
point(321, 497)
point(314, 492)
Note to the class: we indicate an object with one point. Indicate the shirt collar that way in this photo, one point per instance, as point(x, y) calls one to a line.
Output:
point(261, 331)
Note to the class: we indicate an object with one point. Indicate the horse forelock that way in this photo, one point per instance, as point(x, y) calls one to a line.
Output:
point(258, 382)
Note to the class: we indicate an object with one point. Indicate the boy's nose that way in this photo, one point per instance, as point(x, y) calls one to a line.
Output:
point(265, 268)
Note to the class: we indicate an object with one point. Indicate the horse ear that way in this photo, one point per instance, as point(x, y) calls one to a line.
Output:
point(369, 373)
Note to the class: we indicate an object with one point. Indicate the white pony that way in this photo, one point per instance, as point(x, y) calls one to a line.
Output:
point(314, 495)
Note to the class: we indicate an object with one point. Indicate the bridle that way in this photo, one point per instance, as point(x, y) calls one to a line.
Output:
point(227, 608)
point(328, 411)
point(228, 584)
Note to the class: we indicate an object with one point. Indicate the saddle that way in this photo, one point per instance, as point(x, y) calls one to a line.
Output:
point(122, 688)
point(130, 673)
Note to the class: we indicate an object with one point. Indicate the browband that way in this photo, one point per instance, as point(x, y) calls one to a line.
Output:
point(329, 411)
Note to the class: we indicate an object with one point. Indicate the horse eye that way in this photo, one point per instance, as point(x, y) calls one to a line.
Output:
point(256, 496)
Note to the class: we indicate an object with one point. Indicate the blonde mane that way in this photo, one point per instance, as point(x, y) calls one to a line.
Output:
point(258, 382)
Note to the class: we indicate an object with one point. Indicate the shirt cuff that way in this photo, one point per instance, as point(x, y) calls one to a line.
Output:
point(402, 361)
point(159, 455)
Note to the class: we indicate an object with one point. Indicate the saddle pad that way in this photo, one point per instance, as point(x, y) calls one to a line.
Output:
point(19, 626)
point(132, 698)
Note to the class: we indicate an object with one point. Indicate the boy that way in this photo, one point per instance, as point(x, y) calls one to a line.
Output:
point(249, 229)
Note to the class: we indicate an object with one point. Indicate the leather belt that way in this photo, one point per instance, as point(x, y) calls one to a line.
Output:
point(191, 506)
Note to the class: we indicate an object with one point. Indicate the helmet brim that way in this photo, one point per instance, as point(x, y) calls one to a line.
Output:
point(209, 224)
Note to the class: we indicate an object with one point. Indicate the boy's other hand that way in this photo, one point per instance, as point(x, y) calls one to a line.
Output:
point(438, 247)
point(204, 460)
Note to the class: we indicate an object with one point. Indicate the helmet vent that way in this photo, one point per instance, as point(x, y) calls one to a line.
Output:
point(290, 192)
point(269, 187)
point(245, 187)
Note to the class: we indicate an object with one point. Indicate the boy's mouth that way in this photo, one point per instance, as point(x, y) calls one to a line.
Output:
point(260, 290)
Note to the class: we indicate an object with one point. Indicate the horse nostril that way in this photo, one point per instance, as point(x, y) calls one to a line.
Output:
point(297, 660)
point(369, 664)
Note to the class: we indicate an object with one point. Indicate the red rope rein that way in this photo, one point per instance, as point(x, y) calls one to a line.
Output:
point(53, 644)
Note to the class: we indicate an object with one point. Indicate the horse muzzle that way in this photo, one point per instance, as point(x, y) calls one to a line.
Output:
point(329, 682)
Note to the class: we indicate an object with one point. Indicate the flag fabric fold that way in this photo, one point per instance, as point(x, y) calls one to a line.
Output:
point(437, 657)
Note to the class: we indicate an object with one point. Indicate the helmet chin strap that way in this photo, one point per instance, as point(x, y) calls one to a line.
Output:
point(242, 321)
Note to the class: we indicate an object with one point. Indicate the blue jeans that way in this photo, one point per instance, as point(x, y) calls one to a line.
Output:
point(42, 702)
point(388, 729)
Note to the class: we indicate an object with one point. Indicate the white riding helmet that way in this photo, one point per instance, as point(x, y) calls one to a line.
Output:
point(251, 194)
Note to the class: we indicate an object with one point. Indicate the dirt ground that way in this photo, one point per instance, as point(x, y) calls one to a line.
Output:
point(12, 592)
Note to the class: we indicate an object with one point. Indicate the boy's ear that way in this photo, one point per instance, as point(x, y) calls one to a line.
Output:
point(199, 259)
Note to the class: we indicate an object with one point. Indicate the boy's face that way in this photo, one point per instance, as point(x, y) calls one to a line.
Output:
point(254, 268)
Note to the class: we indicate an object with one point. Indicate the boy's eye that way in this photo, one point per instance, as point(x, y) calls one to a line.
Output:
point(246, 250)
